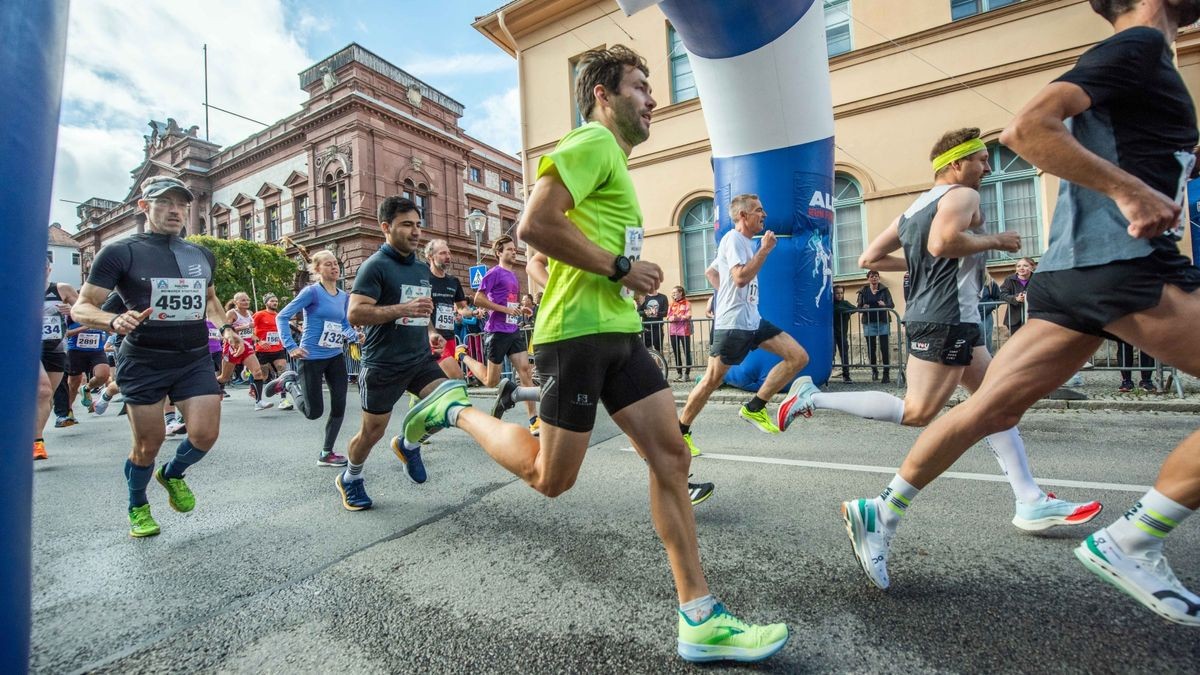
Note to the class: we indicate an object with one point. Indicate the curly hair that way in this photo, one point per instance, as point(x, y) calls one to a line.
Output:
point(605, 67)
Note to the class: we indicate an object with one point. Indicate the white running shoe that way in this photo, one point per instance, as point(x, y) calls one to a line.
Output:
point(100, 404)
point(798, 402)
point(176, 426)
point(262, 405)
point(1149, 579)
point(1051, 511)
point(869, 538)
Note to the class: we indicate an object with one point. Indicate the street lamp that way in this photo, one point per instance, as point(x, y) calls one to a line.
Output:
point(476, 221)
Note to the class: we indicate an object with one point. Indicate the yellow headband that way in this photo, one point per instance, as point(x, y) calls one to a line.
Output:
point(956, 153)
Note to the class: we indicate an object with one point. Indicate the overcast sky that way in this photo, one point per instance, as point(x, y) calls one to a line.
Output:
point(131, 62)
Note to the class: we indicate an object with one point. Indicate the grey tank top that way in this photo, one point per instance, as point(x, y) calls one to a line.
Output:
point(943, 290)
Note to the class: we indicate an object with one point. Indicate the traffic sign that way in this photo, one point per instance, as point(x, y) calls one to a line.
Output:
point(475, 274)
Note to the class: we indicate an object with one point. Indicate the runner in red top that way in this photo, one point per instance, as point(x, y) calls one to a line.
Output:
point(268, 345)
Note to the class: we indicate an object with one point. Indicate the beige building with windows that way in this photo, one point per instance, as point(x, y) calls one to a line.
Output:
point(902, 73)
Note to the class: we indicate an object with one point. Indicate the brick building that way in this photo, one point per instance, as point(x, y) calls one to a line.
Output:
point(366, 130)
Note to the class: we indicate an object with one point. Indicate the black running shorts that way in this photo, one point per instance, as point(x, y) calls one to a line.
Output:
point(610, 368)
point(83, 363)
point(145, 380)
point(1087, 299)
point(54, 362)
point(950, 344)
point(733, 345)
point(379, 388)
point(496, 346)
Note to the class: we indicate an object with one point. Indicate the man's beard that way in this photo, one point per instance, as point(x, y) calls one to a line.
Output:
point(444, 267)
point(629, 122)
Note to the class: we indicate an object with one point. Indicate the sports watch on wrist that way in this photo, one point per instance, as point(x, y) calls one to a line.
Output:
point(622, 265)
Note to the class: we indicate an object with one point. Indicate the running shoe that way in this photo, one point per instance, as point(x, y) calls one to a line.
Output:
point(85, 397)
point(1050, 511)
point(797, 403)
point(39, 450)
point(331, 459)
point(354, 493)
point(504, 398)
point(141, 523)
point(698, 492)
point(262, 405)
point(1126, 386)
point(761, 420)
point(285, 404)
point(252, 390)
point(687, 438)
point(179, 495)
point(1147, 386)
point(869, 538)
point(429, 414)
point(176, 426)
point(278, 386)
point(535, 426)
point(64, 421)
point(411, 460)
point(100, 404)
point(724, 637)
point(1147, 579)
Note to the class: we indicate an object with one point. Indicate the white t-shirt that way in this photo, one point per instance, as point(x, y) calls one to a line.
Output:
point(736, 308)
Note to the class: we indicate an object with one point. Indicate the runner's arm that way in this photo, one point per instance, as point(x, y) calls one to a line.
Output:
point(86, 309)
point(481, 300)
point(745, 273)
point(67, 291)
point(878, 256)
point(949, 235)
point(364, 310)
point(713, 276)
point(538, 268)
point(213, 310)
point(284, 317)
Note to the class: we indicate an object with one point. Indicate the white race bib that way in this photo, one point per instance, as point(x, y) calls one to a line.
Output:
point(1187, 162)
point(273, 338)
point(331, 336)
point(752, 296)
point(445, 317)
point(214, 333)
point(509, 318)
point(177, 299)
point(52, 328)
point(87, 341)
point(634, 238)
point(408, 293)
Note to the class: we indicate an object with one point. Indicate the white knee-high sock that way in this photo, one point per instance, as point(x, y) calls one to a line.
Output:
point(1009, 450)
point(872, 405)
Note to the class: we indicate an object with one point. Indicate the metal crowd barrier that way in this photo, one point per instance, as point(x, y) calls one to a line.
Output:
point(861, 351)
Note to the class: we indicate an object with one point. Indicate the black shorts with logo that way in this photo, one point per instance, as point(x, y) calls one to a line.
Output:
point(610, 368)
point(81, 363)
point(496, 346)
point(1087, 299)
point(380, 388)
point(950, 344)
point(147, 376)
point(733, 345)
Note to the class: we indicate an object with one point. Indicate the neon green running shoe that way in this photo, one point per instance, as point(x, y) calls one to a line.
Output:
point(141, 523)
point(759, 419)
point(429, 414)
point(687, 438)
point(179, 495)
point(724, 637)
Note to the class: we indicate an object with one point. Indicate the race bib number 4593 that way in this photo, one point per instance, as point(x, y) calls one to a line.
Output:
point(177, 299)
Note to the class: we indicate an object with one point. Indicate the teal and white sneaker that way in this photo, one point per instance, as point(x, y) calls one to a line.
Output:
point(1148, 579)
point(1051, 511)
point(869, 538)
point(797, 403)
point(724, 637)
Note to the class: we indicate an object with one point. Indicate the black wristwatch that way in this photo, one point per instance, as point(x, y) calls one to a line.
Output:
point(622, 265)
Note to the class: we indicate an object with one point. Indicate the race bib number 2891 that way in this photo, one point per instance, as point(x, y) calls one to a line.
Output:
point(177, 299)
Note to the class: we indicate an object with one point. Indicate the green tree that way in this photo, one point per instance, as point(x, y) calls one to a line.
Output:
point(249, 266)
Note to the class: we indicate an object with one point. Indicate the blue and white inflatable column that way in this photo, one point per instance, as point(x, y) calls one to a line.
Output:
point(763, 75)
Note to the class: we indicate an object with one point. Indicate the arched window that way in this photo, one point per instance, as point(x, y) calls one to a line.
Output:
point(335, 195)
point(418, 193)
point(1009, 200)
point(699, 247)
point(847, 225)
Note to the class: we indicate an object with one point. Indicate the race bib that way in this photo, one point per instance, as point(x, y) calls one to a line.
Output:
point(331, 336)
point(177, 299)
point(214, 333)
point(408, 293)
point(87, 341)
point(509, 318)
point(273, 338)
point(1187, 162)
point(445, 317)
point(246, 332)
point(634, 238)
point(752, 296)
point(52, 328)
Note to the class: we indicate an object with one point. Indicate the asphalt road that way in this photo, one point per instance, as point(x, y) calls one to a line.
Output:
point(475, 572)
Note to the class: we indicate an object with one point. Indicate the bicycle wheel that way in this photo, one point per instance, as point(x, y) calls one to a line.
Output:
point(661, 362)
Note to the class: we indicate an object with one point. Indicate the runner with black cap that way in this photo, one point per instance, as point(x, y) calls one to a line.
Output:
point(166, 284)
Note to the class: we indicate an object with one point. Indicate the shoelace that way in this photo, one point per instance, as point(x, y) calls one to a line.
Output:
point(720, 610)
point(1158, 563)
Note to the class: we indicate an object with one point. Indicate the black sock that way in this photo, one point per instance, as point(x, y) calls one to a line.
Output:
point(685, 429)
point(755, 404)
point(258, 389)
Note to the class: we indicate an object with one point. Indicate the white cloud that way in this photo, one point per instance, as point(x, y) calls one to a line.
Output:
point(497, 121)
point(129, 63)
point(426, 67)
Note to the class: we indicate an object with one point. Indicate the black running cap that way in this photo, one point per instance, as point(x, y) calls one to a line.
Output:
point(157, 187)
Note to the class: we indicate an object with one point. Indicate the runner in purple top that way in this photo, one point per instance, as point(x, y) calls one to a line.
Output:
point(500, 294)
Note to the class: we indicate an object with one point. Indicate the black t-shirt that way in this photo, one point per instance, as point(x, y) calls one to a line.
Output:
point(134, 266)
point(447, 292)
point(391, 279)
point(654, 309)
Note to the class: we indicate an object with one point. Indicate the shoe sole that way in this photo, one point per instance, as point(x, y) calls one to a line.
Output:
point(170, 500)
point(37, 458)
point(425, 403)
point(853, 528)
point(337, 481)
point(703, 498)
point(1077, 518)
point(755, 424)
point(266, 406)
point(1112, 576)
point(498, 408)
point(782, 415)
point(340, 466)
point(144, 535)
point(695, 653)
point(400, 456)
